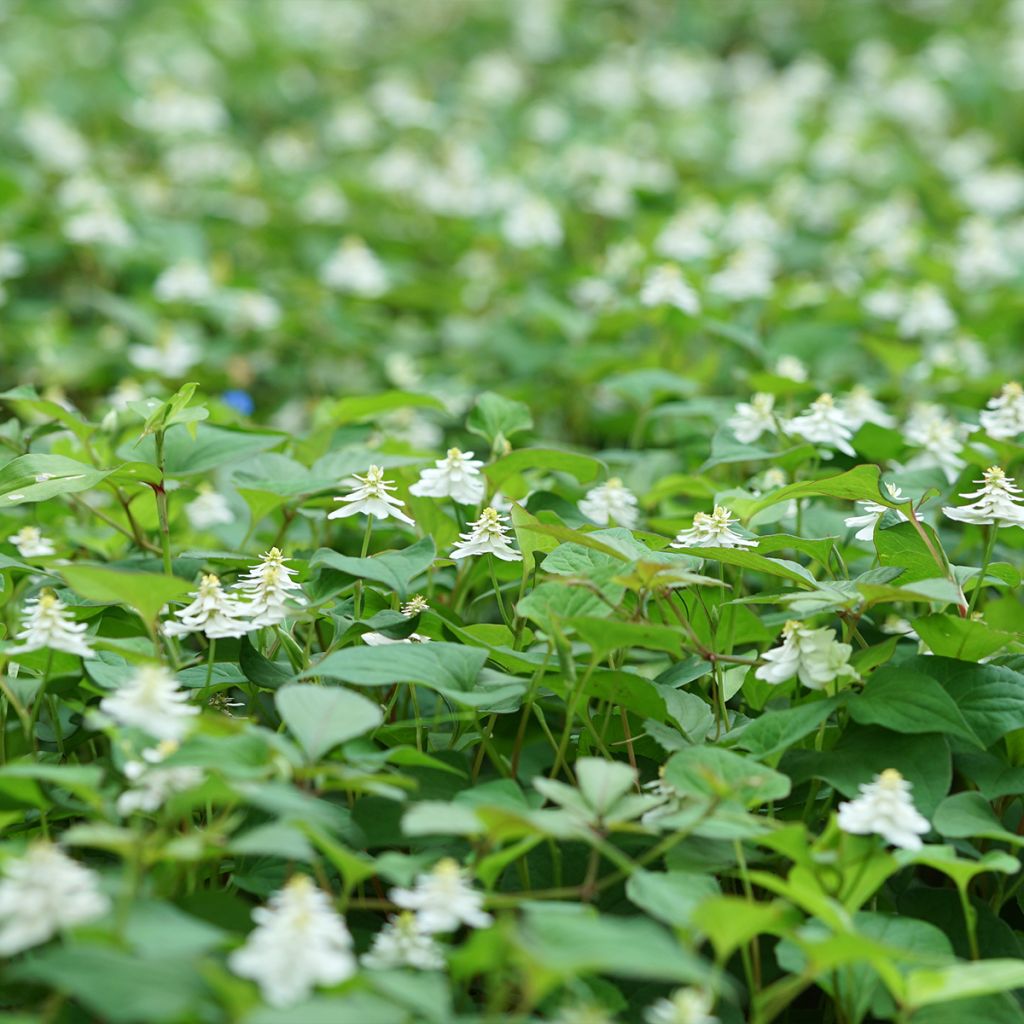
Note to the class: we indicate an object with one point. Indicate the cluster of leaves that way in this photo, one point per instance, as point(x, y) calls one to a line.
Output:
point(347, 222)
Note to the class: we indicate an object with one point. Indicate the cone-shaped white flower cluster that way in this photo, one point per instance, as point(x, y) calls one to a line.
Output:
point(824, 422)
point(998, 502)
point(684, 1006)
point(443, 900)
point(713, 530)
point(46, 624)
point(402, 942)
point(865, 524)
point(153, 702)
point(813, 655)
point(610, 503)
point(413, 607)
point(270, 589)
point(31, 543)
point(885, 808)
point(1003, 417)
point(752, 419)
point(457, 476)
point(42, 893)
point(371, 498)
point(299, 942)
point(487, 536)
point(212, 613)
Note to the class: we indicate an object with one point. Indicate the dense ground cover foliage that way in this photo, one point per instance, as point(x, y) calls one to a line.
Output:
point(509, 512)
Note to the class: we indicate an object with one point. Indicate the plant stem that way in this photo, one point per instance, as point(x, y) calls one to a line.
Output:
point(161, 505)
point(990, 545)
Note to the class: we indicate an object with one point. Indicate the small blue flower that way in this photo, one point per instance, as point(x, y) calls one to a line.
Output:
point(239, 400)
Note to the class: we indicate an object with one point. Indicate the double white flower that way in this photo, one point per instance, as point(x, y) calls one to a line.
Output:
point(443, 900)
point(270, 589)
point(712, 530)
point(487, 536)
point(371, 498)
point(212, 612)
point(824, 422)
point(684, 1006)
point(31, 543)
point(873, 512)
point(1003, 417)
point(402, 942)
point(299, 942)
point(43, 892)
point(610, 503)
point(456, 476)
point(998, 502)
point(885, 808)
point(813, 655)
point(153, 702)
point(48, 625)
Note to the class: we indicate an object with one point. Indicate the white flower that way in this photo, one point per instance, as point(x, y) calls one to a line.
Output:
point(443, 900)
point(47, 624)
point(813, 655)
point(187, 281)
point(487, 536)
point(861, 407)
point(823, 422)
point(666, 286)
point(43, 892)
point(752, 419)
point(171, 355)
point(684, 1006)
point(31, 543)
point(152, 701)
point(1003, 417)
point(532, 222)
point(270, 588)
point(865, 523)
point(153, 787)
point(746, 275)
point(253, 311)
point(998, 502)
point(209, 508)
point(299, 942)
point(885, 808)
point(712, 530)
point(353, 268)
point(371, 498)
point(413, 607)
point(610, 503)
point(939, 435)
point(402, 942)
point(212, 612)
point(457, 476)
point(791, 368)
point(926, 313)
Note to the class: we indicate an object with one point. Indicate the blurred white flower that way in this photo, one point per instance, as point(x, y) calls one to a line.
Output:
point(790, 367)
point(747, 274)
point(47, 624)
point(873, 512)
point(371, 498)
point(252, 311)
point(885, 808)
point(31, 543)
point(151, 700)
point(443, 899)
point(209, 508)
point(941, 437)
point(353, 268)
point(212, 613)
point(998, 502)
point(665, 286)
point(171, 355)
point(610, 503)
point(457, 476)
point(402, 942)
point(860, 407)
point(42, 892)
point(323, 203)
point(153, 786)
point(823, 422)
point(12, 262)
point(487, 536)
point(813, 655)
point(52, 141)
point(713, 530)
point(1003, 416)
point(532, 222)
point(926, 313)
point(299, 942)
point(187, 281)
point(684, 1006)
point(752, 419)
point(270, 589)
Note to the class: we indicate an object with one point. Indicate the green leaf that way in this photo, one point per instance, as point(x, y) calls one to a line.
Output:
point(496, 418)
point(909, 702)
point(990, 697)
point(321, 717)
point(858, 484)
point(961, 981)
point(775, 731)
point(901, 546)
point(394, 569)
point(451, 667)
point(756, 563)
point(145, 592)
point(714, 772)
point(606, 635)
point(583, 467)
point(210, 448)
point(31, 478)
point(969, 815)
point(26, 403)
point(967, 639)
point(357, 408)
point(671, 896)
